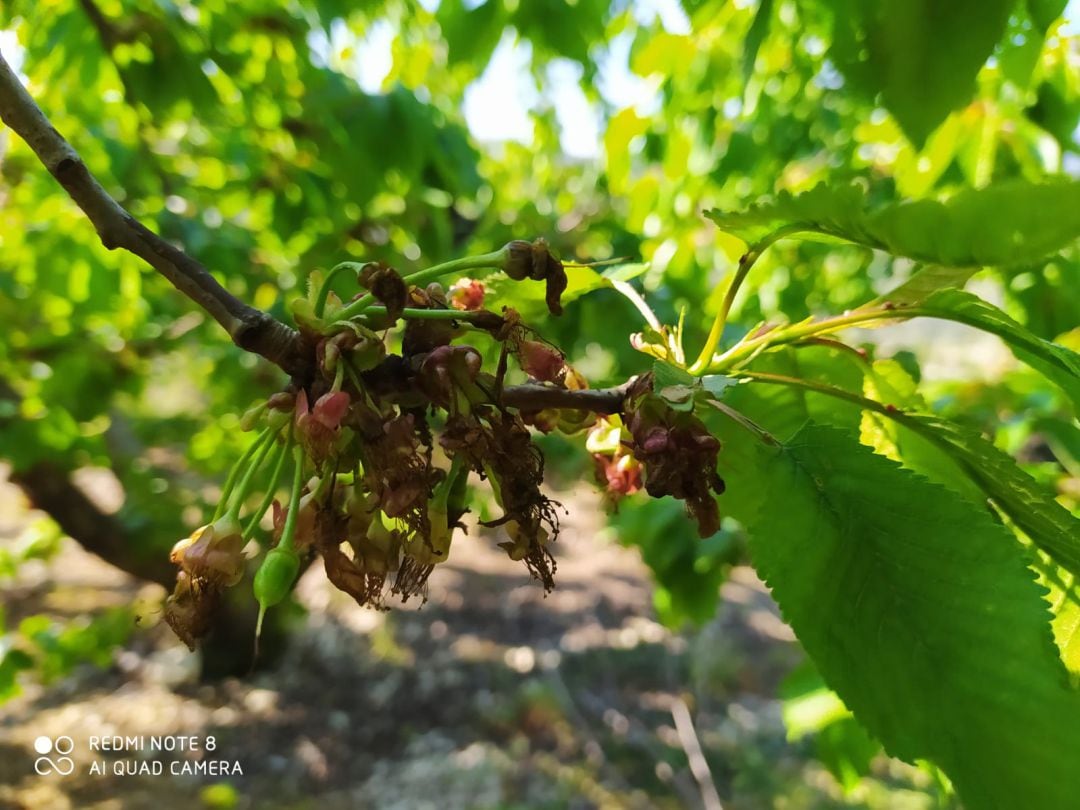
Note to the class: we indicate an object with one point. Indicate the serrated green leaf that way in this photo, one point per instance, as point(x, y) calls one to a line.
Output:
point(925, 283)
point(889, 383)
point(471, 34)
point(920, 299)
point(1060, 365)
point(782, 410)
point(1065, 604)
point(921, 612)
point(1005, 224)
point(1050, 526)
point(946, 452)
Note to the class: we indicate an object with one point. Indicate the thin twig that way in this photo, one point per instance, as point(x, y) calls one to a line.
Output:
point(250, 328)
point(699, 766)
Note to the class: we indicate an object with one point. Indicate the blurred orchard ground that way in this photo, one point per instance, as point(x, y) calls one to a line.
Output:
point(275, 140)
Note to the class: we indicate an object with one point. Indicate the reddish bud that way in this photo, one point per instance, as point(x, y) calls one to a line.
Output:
point(281, 401)
point(467, 294)
point(656, 440)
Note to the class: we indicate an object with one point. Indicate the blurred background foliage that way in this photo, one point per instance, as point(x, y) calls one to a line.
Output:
point(272, 140)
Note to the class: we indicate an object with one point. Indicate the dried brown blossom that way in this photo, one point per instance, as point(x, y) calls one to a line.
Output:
point(388, 287)
point(678, 452)
point(535, 260)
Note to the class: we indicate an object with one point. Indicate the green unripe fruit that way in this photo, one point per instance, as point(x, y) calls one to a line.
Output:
point(276, 576)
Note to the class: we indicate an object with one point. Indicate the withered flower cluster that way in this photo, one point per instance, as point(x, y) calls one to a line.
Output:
point(390, 441)
point(385, 444)
point(677, 451)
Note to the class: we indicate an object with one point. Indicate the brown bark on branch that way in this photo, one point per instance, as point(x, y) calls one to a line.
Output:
point(50, 489)
point(535, 397)
point(250, 328)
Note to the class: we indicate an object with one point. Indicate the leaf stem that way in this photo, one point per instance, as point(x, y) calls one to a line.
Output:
point(289, 530)
point(821, 388)
point(634, 297)
point(804, 329)
point(417, 314)
point(746, 262)
point(271, 489)
point(241, 491)
point(324, 289)
point(745, 422)
point(493, 260)
point(234, 473)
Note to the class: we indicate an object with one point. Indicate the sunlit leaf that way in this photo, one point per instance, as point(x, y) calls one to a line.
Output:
point(1000, 225)
point(919, 55)
point(927, 622)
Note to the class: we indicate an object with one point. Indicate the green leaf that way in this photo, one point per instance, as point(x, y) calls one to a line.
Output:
point(924, 283)
point(678, 397)
point(665, 374)
point(716, 384)
point(923, 296)
point(562, 29)
point(889, 383)
point(604, 440)
point(625, 272)
point(759, 29)
point(782, 410)
point(921, 56)
point(687, 570)
point(921, 613)
point(1005, 224)
point(471, 34)
point(945, 452)
point(1050, 525)
point(1045, 12)
point(740, 463)
point(528, 296)
point(1058, 364)
point(12, 661)
point(1065, 603)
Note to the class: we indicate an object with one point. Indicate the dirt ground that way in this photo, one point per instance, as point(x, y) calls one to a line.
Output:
point(489, 696)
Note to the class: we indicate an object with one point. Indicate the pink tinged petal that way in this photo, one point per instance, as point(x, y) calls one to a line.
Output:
point(540, 361)
point(331, 408)
point(301, 409)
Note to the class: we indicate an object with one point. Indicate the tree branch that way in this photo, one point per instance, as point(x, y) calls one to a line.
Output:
point(535, 397)
point(50, 489)
point(250, 328)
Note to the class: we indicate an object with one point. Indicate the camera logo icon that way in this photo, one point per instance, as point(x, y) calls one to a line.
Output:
point(60, 763)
